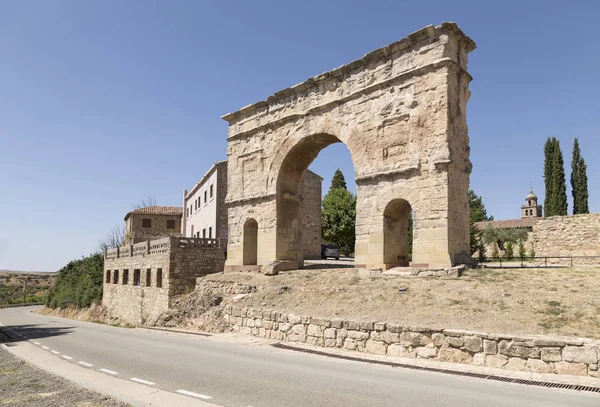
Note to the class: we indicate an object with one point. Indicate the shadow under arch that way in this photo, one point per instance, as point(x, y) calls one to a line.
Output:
point(289, 194)
point(396, 242)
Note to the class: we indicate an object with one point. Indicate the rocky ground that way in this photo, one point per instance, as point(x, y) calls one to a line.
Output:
point(22, 384)
point(560, 301)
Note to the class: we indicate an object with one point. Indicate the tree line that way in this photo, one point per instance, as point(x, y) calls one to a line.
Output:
point(555, 203)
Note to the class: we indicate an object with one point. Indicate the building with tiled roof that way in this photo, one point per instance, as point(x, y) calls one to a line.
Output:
point(152, 222)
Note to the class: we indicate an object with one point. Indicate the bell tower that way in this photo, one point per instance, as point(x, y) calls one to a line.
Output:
point(531, 209)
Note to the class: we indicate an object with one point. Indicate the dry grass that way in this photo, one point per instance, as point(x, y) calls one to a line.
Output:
point(563, 301)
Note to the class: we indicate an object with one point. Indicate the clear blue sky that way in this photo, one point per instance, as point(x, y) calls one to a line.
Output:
point(105, 102)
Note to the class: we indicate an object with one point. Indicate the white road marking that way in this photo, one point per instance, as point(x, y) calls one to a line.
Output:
point(192, 394)
point(37, 343)
point(55, 352)
point(45, 347)
point(108, 371)
point(85, 364)
point(135, 379)
point(67, 357)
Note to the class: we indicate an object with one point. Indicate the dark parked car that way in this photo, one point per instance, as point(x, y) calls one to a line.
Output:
point(330, 250)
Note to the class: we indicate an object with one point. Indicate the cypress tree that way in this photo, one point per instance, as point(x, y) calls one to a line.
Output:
point(338, 180)
point(548, 166)
point(579, 181)
point(559, 185)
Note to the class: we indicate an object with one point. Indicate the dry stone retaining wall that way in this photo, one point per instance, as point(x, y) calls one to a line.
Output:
point(537, 354)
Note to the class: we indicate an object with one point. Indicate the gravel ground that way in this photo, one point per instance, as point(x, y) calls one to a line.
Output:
point(22, 384)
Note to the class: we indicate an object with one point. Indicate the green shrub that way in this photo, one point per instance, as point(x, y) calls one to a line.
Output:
point(509, 251)
point(79, 281)
point(522, 251)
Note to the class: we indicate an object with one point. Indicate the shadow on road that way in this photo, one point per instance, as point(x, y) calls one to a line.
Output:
point(10, 333)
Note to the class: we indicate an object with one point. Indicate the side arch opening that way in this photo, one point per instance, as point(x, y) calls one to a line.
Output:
point(396, 233)
point(250, 242)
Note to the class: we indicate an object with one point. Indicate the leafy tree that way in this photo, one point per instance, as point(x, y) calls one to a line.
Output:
point(522, 251)
point(495, 253)
point(478, 213)
point(338, 180)
point(510, 251)
point(79, 281)
point(548, 169)
point(559, 185)
point(579, 182)
point(532, 252)
point(503, 236)
point(339, 218)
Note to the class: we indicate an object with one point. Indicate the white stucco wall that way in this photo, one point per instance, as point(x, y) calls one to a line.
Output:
point(200, 213)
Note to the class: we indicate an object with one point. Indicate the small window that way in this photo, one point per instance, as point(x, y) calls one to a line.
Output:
point(116, 277)
point(136, 278)
point(187, 212)
point(170, 223)
point(146, 223)
point(210, 232)
point(211, 191)
point(204, 233)
point(107, 276)
point(205, 200)
point(159, 278)
point(148, 277)
point(125, 277)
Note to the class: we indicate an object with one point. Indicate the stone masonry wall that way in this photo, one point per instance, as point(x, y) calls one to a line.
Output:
point(575, 235)
point(311, 216)
point(181, 261)
point(524, 353)
point(135, 233)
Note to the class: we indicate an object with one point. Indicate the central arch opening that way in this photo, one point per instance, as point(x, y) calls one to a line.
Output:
point(295, 204)
point(397, 228)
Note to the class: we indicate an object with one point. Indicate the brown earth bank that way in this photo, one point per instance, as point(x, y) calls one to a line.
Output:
point(95, 313)
point(563, 301)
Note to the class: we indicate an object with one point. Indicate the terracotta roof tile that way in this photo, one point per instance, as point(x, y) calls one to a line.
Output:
point(157, 210)
point(508, 224)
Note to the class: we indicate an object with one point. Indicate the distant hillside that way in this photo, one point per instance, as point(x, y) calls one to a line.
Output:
point(21, 271)
point(19, 286)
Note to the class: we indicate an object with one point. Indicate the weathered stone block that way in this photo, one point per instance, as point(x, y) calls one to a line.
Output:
point(414, 339)
point(349, 344)
point(473, 344)
point(337, 323)
point(551, 354)
point(479, 359)
point(352, 325)
point(517, 364)
point(294, 319)
point(496, 361)
point(426, 352)
point(395, 328)
point(437, 339)
point(455, 342)
point(306, 320)
point(322, 322)
point(398, 351)
point(284, 327)
point(379, 326)
point(330, 343)
point(538, 366)
point(314, 330)
point(329, 333)
point(390, 337)
point(454, 356)
point(520, 351)
point(358, 335)
point(376, 347)
point(490, 347)
point(577, 369)
point(580, 354)
point(299, 329)
point(367, 326)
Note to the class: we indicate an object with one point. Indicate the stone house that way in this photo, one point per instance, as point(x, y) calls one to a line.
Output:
point(205, 212)
point(152, 222)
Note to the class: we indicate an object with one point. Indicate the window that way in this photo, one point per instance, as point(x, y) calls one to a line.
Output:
point(125, 277)
point(146, 223)
point(159, 278)
point(107, 276)
point(195, 205)
point(148, 277)
point(210, 232)
point(204, 233)
point(205, 200)
point(170, 223)
point(136, 277)
point(116, 277)
point(211, 191)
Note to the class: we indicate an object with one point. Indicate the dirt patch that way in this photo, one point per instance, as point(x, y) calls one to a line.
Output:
point(22, 384)
point(563, 301)
point(95, 313)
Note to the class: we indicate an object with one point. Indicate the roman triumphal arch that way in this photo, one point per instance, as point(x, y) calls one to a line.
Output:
point(401, 111)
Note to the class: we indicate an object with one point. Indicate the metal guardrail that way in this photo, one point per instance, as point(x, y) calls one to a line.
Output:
point(542, 261)
point(20, 305)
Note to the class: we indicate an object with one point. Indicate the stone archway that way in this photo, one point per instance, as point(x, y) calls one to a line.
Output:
point(395, 234)
point(401, 111)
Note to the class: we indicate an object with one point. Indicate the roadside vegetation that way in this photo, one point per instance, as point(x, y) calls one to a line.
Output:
point(24, 287)
point(78, 283)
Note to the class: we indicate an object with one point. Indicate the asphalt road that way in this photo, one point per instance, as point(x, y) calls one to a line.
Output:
point(237, 374)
